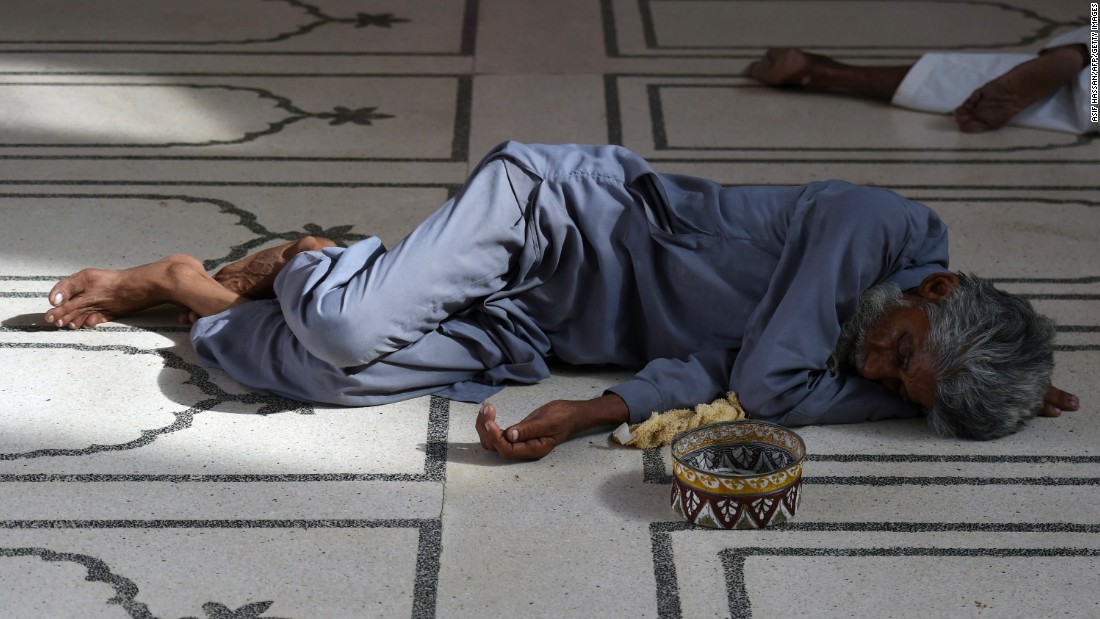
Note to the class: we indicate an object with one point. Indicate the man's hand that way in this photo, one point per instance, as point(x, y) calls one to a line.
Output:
point(1057, 401)
point(548, 426)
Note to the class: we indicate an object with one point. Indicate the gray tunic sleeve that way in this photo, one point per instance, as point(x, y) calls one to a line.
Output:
point(664, 384)
point(841, 239)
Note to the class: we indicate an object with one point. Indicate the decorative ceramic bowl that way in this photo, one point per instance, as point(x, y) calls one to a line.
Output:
point(737, 475)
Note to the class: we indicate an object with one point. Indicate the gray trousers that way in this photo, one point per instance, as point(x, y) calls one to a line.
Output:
point(362, 325)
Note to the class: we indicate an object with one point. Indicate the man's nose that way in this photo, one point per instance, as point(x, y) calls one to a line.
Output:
point(878, 365)
point(882, 368)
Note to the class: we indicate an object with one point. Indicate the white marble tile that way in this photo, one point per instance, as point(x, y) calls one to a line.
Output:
point(360, 568)
point(586, 506)
point(150, 232)
point(249, 26)
point(354, 117)
point(228, 500)
point(171, 417)
point(908, 25)
point(664, 28)
point(216, 225)
point(1003, 238)
point(532, 37)
point(544, 109)
point(830, 574)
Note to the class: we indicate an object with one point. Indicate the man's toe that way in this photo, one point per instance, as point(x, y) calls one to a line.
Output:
point(92, 320)
point(59, 294)
point(66, 289)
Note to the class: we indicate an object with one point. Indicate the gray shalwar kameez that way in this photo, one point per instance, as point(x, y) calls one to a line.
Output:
point(586, 254)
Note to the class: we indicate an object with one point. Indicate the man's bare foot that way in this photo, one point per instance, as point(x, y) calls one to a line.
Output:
point(94, 296)
point(254, 276)
point(993, 105)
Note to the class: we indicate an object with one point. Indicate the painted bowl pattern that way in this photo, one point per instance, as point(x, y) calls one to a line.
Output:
point(737, 475)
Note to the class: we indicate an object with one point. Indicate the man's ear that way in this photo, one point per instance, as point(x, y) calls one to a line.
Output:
point(936, 286)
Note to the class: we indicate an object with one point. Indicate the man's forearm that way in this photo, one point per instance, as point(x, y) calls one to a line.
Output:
point(606, 410)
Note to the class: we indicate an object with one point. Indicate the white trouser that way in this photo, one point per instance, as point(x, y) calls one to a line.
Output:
point(941, 82)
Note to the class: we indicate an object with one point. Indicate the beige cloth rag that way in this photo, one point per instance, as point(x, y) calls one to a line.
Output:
point(660, 428)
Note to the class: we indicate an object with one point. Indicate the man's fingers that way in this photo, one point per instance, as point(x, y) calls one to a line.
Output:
point(1049, 411)
point(523, 441)
point(1056, 401)
point(486, 426)
point(528, 429)
point(1061, 400)
point(532, 449)
point(490, 434)
point(493, 438)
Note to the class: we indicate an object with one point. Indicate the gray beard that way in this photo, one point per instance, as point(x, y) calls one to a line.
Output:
point(874, 304)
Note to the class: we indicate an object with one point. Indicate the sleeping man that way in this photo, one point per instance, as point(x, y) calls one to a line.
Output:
point(825, 303)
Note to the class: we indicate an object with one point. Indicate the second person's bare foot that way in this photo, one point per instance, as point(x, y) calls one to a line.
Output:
point(993, 105)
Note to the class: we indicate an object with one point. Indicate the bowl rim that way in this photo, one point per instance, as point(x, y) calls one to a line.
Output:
point(783, 429)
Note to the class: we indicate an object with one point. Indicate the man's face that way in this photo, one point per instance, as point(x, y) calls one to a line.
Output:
point(895, 353)
point(886, 341)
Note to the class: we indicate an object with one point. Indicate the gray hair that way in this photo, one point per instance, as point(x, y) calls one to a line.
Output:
point(994, 357)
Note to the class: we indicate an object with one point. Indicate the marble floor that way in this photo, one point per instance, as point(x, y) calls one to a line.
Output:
point(136, 483)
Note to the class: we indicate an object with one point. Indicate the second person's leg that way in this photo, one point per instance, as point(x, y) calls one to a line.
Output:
point(351, 306)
